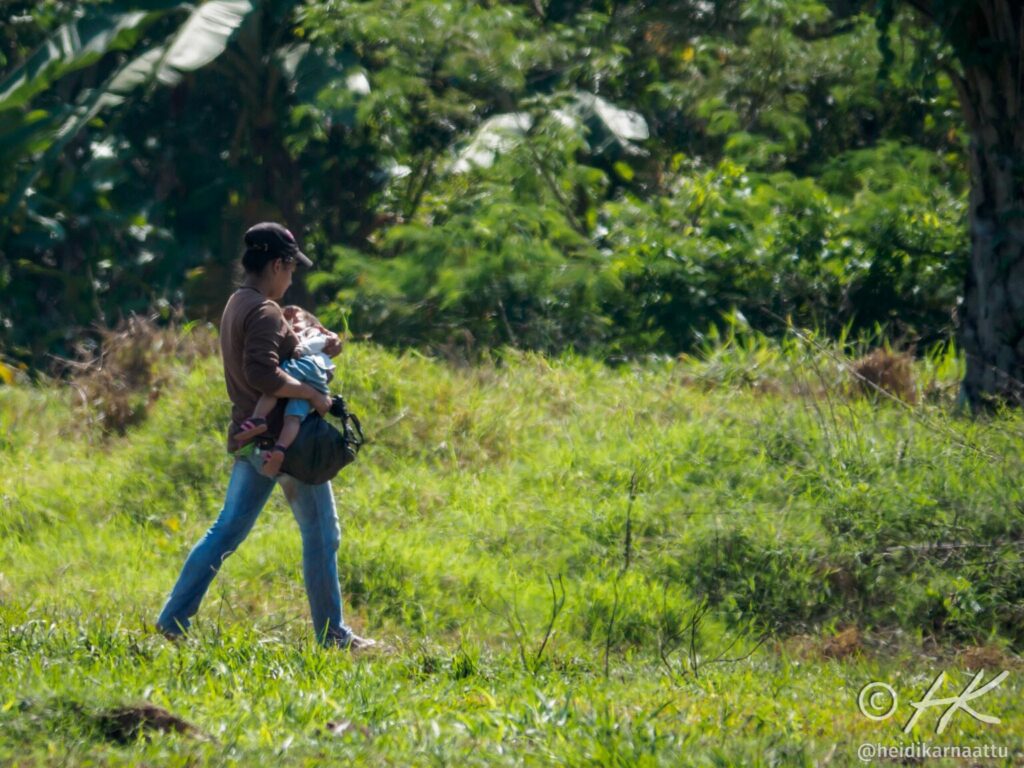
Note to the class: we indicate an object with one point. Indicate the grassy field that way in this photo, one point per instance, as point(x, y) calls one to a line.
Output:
point(685, 562)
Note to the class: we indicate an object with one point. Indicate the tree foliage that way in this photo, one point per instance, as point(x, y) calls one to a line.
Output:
point(608, 176)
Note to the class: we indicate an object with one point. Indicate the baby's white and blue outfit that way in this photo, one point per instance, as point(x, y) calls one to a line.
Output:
point(309, 366)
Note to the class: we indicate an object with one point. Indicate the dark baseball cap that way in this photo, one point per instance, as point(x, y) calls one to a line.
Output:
point(275, 240)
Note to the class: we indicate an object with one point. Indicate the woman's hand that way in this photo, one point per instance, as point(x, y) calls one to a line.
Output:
point(332, 347)
point(321, 402)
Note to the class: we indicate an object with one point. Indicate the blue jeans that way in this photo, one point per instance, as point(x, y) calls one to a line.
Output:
point(248, 491)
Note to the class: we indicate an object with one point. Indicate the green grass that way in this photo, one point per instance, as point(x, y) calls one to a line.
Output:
point(769, 503)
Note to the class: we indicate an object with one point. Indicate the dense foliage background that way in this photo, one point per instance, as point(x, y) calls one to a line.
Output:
point(614, 177)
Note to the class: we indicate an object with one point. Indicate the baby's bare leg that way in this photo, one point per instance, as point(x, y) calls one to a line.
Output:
point(272, 460)
point(289, 431)
point(264, 406)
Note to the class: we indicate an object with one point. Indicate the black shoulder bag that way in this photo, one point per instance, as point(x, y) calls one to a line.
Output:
point(320, 451)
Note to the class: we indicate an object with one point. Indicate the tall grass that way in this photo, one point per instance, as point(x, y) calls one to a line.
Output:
point(772, 500)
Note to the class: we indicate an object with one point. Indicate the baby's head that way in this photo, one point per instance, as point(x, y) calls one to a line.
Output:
point(299, 319)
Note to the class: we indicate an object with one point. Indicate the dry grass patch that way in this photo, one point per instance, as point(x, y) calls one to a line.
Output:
point(116, 386)
point(888, 371)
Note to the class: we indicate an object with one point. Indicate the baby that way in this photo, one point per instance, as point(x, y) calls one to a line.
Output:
point(309, 366)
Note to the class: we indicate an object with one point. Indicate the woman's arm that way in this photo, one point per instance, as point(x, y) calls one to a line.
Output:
point(293, 389)
point(264, 333)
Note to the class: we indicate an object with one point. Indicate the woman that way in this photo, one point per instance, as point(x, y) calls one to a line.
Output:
point(254, 338)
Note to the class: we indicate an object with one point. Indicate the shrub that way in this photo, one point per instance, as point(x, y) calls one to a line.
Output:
point(777, 584)
point(117, 385)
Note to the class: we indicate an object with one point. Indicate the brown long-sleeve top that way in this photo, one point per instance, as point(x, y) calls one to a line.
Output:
point(254, 339)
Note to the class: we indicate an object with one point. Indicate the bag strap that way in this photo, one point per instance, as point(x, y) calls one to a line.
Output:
point(358, 427)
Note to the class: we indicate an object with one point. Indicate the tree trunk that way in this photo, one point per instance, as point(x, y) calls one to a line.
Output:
point(992, 317)
point(992, 330)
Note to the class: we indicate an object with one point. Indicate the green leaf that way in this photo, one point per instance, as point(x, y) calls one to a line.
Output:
point(74, 46)
point(331, 83)
point(202, 38)
point(22, 135)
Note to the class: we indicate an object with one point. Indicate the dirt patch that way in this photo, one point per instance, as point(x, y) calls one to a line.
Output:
point(987, 657)
point(124, 724)
point(844, 644)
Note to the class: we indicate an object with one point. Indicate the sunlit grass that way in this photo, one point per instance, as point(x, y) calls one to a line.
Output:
point(765, 488)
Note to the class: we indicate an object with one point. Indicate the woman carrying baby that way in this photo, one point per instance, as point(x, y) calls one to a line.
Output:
point(255, 337)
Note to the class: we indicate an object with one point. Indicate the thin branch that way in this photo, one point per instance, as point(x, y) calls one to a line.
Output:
point(611, 626)
point(553, 186)
point(634, 485)
point(521, 634)
point(508, 326)
point(507, 616)
point(401, 415)
point(511, 616)
point(943, 546)
point(744, 657)
point(698, 616)
point(557, 603)
point(423, 174)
